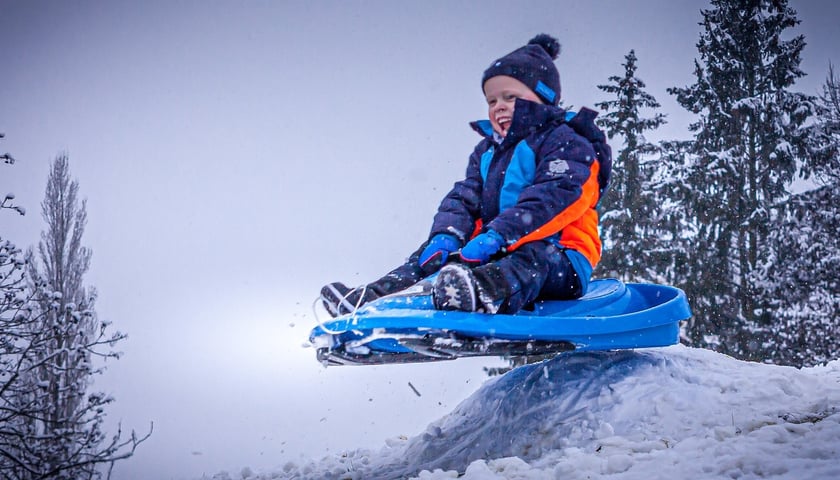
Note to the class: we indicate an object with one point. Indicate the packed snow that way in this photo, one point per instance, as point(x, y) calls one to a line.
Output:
point(674, 412)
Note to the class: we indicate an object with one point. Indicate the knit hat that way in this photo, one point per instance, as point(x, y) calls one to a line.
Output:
point(532, 65)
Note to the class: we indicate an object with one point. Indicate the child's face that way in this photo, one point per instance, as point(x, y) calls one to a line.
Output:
point(501, 92)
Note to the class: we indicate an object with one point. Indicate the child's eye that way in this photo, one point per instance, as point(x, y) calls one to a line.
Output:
point(508, 97)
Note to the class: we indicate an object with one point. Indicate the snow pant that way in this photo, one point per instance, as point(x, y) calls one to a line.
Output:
point(535, 270)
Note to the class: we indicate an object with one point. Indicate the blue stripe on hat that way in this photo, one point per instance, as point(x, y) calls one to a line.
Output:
point(546, 92)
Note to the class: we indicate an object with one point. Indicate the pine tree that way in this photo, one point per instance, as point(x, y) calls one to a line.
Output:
point(801, 277)
point(741, 162)
point(824, 162)
point(803, 287)
point(630, 223)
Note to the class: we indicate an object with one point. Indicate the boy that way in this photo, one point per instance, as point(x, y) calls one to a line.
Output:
point(522, 224)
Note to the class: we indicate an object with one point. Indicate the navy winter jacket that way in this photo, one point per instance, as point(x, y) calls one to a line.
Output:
point(542, 180)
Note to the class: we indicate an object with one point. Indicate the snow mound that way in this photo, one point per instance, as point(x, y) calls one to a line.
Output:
point(673, 412)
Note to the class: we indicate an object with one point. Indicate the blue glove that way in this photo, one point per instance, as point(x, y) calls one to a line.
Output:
point(437, 251)
point(481, 248)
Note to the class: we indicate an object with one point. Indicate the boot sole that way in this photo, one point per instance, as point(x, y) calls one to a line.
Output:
point(446, 294)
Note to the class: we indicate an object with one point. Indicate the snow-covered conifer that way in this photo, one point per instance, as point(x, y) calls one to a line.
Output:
point(630, 220)
point(741, 162)
point(800, 279)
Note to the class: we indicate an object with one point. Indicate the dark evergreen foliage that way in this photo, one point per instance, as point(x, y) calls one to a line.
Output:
point(741, 163)
point(802, 276)
point(824, 162)
point(630, 223)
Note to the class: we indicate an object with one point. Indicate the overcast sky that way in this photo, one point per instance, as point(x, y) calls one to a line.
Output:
point(236, 156)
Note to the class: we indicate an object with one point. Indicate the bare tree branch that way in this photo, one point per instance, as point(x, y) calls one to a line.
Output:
point(51, 426)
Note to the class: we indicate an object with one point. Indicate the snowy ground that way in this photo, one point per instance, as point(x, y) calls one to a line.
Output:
point(674, 412)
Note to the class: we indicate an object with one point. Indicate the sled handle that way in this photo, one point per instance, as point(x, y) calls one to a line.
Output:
point(352, 318)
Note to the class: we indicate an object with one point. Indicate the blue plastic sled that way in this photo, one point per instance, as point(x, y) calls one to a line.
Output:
point(405, 327)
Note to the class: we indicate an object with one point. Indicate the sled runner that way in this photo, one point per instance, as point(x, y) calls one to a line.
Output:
point(405, 327)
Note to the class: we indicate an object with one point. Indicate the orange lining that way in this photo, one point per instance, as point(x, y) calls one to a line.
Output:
point(574, 212)
point(478, 226)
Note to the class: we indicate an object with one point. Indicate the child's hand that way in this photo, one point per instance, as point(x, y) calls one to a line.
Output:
point(435, 254)
point(481, 248)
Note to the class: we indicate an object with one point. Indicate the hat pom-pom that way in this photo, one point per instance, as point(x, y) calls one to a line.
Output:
point(548, 43)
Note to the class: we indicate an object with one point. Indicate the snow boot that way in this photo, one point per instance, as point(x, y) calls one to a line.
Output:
point(338, 299)
point(458, 287)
